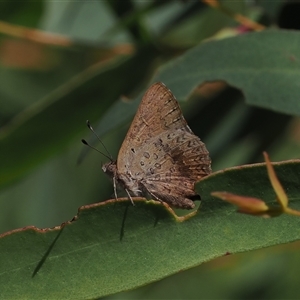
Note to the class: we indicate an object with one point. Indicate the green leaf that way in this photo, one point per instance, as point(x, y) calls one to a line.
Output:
point(87, 258)
point(273, 270)
point(263, 65)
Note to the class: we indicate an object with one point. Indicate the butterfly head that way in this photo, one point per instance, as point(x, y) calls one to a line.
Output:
point(110, 168)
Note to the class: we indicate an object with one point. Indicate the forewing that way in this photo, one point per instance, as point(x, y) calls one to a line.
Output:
point(158, 112)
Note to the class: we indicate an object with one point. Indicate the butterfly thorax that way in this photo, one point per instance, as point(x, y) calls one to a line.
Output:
point(131, 183)
point(125, 181)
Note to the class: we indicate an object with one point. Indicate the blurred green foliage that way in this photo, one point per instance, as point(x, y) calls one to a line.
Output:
point(51, 84)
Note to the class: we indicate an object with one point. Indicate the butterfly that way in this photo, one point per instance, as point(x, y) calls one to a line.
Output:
point(160, 156)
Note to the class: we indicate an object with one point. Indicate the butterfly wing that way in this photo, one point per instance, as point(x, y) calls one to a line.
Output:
point(160, 154)
point(158, 112)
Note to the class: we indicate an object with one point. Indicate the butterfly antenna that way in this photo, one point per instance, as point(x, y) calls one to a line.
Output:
point(87, 144)
point(94, 132)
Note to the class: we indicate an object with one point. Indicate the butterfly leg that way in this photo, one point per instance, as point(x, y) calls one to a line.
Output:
point(115, 188)
point(129, 197)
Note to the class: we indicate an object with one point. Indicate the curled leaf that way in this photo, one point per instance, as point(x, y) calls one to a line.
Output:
point(246, 204)
point(257, 207)
point(281, 195)
point(249, 205)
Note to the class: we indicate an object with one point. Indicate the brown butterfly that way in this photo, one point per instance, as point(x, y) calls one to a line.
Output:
point(160, 156)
